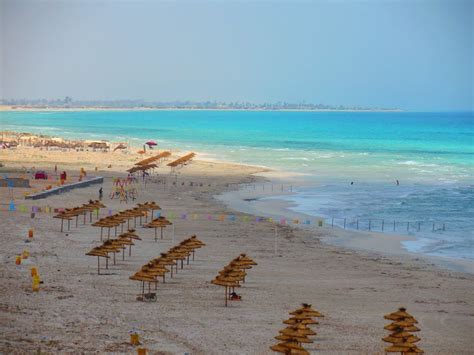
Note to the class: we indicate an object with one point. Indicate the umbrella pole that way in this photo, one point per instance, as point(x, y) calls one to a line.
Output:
point(97, 214)
point(107, 262)
point(128, 221)
point(226, 296)
point(121, 226)
point(85, 215)
point(115, 230)
point(164, 278)
point(123, 252)
point(135, 222)
point(187, 261)
point(171, 270)
point(161, 232)
point(130, 250)
point(143, 288)
point(182, 263)
point(108, 233)
point(62, 221)
point(77, 218)
point(114, 258)
point(193, 254)
point(155, 235)
point(68, 224)
point(98, 265)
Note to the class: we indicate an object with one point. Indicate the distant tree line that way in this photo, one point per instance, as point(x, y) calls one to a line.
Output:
point(68, 102)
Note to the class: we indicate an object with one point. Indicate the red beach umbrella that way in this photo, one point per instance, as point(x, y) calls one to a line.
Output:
point(151, 143)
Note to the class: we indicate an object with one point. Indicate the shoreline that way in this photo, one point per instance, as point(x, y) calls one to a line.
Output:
point(387, 244)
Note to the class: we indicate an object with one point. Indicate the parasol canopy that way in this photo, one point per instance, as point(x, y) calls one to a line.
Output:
point(151, 143)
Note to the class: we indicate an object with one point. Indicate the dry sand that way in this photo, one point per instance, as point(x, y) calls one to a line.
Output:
point(79, 311)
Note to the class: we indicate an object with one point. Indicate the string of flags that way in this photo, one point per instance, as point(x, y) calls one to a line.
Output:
point(174, 216)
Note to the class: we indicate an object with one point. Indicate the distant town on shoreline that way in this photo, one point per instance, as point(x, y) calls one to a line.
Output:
point(68, 103)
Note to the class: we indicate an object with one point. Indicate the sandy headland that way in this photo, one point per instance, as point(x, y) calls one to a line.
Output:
point(78, 311)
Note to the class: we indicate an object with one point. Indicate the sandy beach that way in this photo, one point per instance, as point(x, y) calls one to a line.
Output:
point(78, 311)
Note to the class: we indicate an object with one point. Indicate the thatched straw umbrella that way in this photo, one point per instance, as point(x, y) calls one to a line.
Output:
point(242, 262)
point(193, 243)
point(123, 241)
point(289, 348)
point(120, 147)
point(401, 338)
point(158, 262)
point(109, 222)
point(110, 246)
point(181, 252)
point(306, 310)
point(155, 269)
point(131, 235)
point(297, 331)
point(165, 259)
point(63, 216)
point(160, 222)
point(94, 205)
point(99, 253)
point(140, 276)
point(151, 205)
point(227, 282)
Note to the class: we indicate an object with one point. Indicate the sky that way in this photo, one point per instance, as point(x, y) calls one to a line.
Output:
point(414, 55)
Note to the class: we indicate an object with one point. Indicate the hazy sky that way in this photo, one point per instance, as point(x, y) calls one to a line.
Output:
point(416, 55)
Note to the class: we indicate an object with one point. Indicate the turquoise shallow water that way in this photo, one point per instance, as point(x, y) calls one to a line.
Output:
point(430, 153)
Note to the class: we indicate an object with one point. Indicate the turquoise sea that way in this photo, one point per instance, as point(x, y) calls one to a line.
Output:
point(431, 154)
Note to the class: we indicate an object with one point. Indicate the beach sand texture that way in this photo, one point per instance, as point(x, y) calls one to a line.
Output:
point(77, 310)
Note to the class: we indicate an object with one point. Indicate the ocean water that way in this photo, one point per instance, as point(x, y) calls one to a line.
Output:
point(431, 154)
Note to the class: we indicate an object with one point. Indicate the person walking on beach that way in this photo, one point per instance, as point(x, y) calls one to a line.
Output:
point(398, 183)
point(100, 194)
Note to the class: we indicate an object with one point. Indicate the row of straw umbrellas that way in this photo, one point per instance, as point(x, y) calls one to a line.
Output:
point(149, 163)
point(124, 217)
point(297, 331)
point(158, 267)
point(114, 246)
point(70, 213)
point(184, 160)
point(233, 274)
